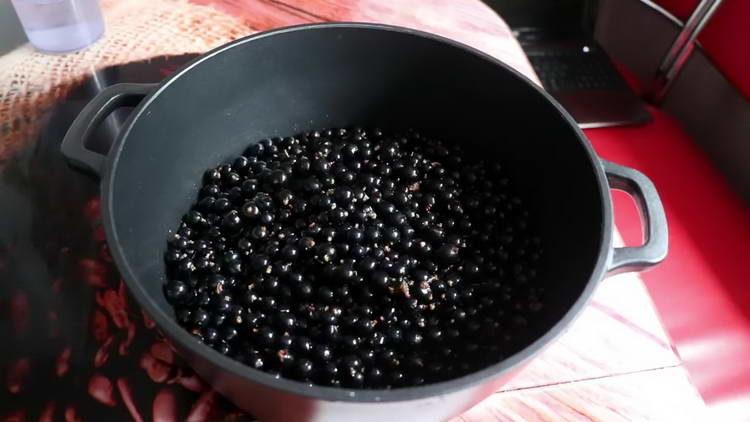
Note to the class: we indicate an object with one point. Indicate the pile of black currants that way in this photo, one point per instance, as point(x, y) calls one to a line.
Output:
point(356, 258)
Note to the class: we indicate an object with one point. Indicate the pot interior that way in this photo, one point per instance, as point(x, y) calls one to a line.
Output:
point(322, 77)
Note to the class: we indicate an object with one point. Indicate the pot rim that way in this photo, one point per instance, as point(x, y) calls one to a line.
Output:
point(490, 373)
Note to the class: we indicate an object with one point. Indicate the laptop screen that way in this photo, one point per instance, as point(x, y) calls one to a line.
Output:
point(554, 18)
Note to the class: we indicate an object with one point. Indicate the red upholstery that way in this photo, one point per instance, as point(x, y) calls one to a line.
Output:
point(702, 290)
point(725, 40)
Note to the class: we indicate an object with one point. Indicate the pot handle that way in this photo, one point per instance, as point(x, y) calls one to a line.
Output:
point(654, 250)
point(73, 146)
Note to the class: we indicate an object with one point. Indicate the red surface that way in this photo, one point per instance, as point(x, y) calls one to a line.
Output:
point(680, 8)
point(725, 40)
point(701, 290)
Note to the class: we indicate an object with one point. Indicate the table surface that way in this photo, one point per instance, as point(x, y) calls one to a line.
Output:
point(615, 362)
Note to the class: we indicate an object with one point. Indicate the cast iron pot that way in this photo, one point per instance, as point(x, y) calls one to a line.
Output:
point(296, 79)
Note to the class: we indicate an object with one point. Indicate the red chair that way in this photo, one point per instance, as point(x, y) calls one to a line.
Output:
point(697, 151)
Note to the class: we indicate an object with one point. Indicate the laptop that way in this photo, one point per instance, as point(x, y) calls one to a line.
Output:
point(558, 38)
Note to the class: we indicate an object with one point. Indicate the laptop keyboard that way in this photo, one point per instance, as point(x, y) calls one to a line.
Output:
point(567, 70)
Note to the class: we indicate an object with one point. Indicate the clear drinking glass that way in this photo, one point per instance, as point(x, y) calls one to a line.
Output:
point(60, 25)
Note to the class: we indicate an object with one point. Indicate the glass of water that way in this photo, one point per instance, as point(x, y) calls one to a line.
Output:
point(60, 25)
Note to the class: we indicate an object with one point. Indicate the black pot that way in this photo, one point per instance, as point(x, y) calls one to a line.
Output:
point(333, 75)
